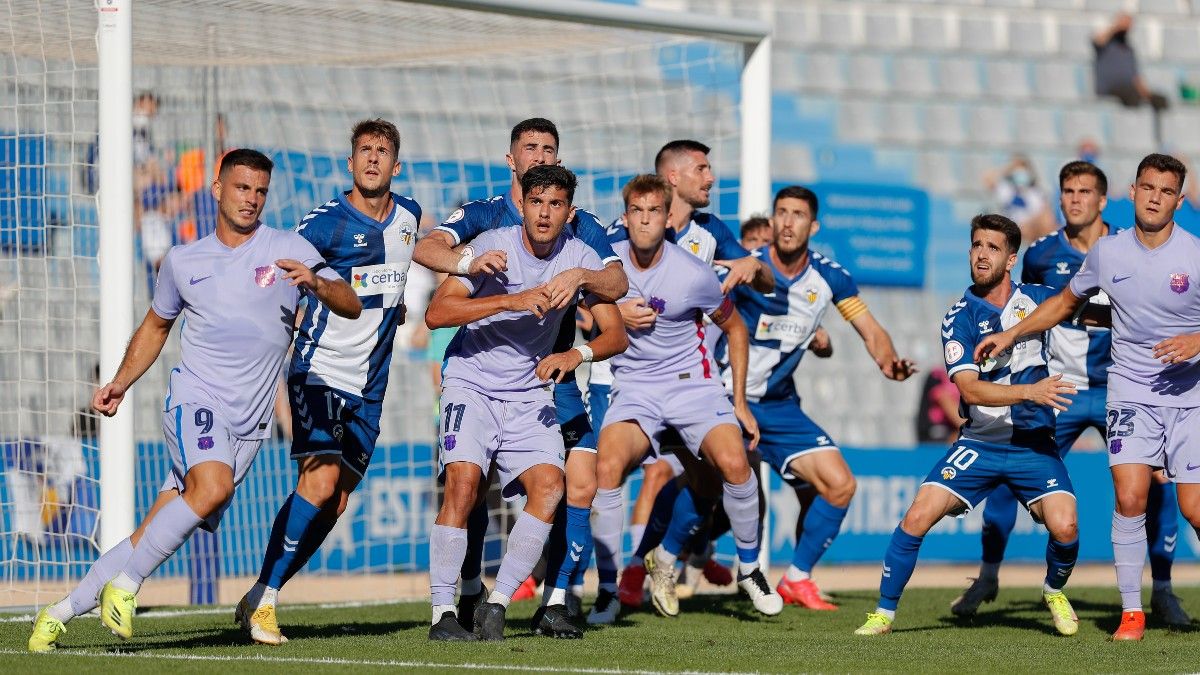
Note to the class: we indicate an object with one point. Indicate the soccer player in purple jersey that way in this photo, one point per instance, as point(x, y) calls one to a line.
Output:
point(237, 290)
point(497, 398)
point(667, 379)
point(1149, 273)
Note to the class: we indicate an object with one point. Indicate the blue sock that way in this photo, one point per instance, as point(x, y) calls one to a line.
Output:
point(314, 536)
point(477, 525)
point(898, 565)
point(821, 527)
point(999, 519)
point(579, 540)
point(291, 523)
point(660, 520)
point(1060, 560)
point(686, 519)
point(585, 558)
point(1162, 529)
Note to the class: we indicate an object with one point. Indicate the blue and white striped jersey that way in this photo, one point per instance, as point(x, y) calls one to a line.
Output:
point(1081, 353)
point(373, 257)
point(1026, 424)
point(782, 323)
point(474, 218)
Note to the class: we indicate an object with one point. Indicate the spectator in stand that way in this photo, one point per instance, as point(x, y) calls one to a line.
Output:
point(1116, 71)
point(1018, 197)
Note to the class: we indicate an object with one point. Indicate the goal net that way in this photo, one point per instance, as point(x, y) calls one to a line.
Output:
point(289, 77)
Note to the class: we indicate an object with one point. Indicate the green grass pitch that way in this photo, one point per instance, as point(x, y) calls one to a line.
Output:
point(714, 633)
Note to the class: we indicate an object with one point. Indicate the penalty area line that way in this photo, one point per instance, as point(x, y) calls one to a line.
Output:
point(342, 662)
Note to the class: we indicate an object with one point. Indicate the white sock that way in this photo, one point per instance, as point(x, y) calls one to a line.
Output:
point(439, 610)
point(635, 533)
point(125, 583)
point(746, 569)
point(254, 596)
point(499, 598)
point(62, 610)
point(663, 558)
point(1162, 586)
point(889, 613)
point(472, 586)
point(554, 596)
point(1048, 591)
point(795, 574)
point(989, 571)
point(270, 596)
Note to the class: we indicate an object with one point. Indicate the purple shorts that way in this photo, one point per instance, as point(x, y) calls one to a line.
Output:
point(196, 433)
point(513, 435)
point(693, 407)
point(1167, 438)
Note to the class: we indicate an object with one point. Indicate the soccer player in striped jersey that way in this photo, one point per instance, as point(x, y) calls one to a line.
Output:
point(534, 142)
point(339, 369)
point(1009, 402)
point(1082, 354)
point(233, 289)
point(786, 322)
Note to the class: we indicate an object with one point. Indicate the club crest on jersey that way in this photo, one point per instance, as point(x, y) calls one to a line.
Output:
point(1063, 267)
point(360, 240)
point(810, 294)
point(1021, 310)
point(948, 473)
point(694, 246)
point(657, 304)
point(1179, 282)
point(264, 276)
point(406, 235)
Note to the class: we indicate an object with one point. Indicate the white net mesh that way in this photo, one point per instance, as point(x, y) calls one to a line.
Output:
point(289, 78)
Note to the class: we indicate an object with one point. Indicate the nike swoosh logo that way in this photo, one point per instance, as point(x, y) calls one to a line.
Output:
point(1193, 468)
point(193, 281)
point(1117, 278)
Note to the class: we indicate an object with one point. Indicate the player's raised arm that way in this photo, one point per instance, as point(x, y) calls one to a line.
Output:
point(879, 345)
point(730, 321)
point(144, 347)
point(1052, 391)
point(1047, 315)
point(436, 251)
point(611, 341)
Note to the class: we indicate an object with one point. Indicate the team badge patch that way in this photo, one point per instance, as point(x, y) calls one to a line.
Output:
point(1179, 282)
point(694, 247)
point(406, 235)
point(1021, 310)
point(448, 442)
point(456, 216)
point(264, 276)
point(657, 304)
point(204, 442)
point(1115, 446)
point(810, 294)
point(949, 473)
point(954, 351)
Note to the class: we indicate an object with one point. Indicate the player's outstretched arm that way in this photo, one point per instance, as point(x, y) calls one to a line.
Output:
point(608, 285)
point(1052, 391)
point(1047, 315)
point(143, 349)
point(748, 270)
point(335, 294)
point(610, 342)
point(729, 321)
point(436, 251)
point(880, 347)
point(453, 306)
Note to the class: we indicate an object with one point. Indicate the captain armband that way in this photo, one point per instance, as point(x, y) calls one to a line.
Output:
point(852, 308)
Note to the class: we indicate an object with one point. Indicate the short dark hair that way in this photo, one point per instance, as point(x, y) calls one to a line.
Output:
point(998, 223)
point(548, 176)
point(1082, 168)
point(676, 148)
point(647, 183)
point(246, 157)
point(755, 222)
point(1164, 163)
point(539, 125)
point(797, 192)
point(376, 127)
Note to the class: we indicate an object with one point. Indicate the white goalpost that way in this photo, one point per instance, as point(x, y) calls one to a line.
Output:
point(113, 115)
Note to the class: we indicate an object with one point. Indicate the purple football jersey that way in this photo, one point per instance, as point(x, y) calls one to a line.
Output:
point(497, 356)
point(681, 289)
point(238, 315)
point(1154, 296)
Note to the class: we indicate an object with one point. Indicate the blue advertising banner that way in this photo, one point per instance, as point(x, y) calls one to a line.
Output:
point(877, 232)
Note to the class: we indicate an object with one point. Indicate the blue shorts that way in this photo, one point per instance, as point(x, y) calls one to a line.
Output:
point(972, 469)
point(597, 403)
point(573, 420)
point(1086, 410)
point(328, 421)
point(786, 433)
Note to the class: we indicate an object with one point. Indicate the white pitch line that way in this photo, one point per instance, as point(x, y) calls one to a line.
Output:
point(203, 611)
point(353, 662)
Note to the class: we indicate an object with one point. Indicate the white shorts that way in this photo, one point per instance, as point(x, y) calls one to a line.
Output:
point(1166, 438)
